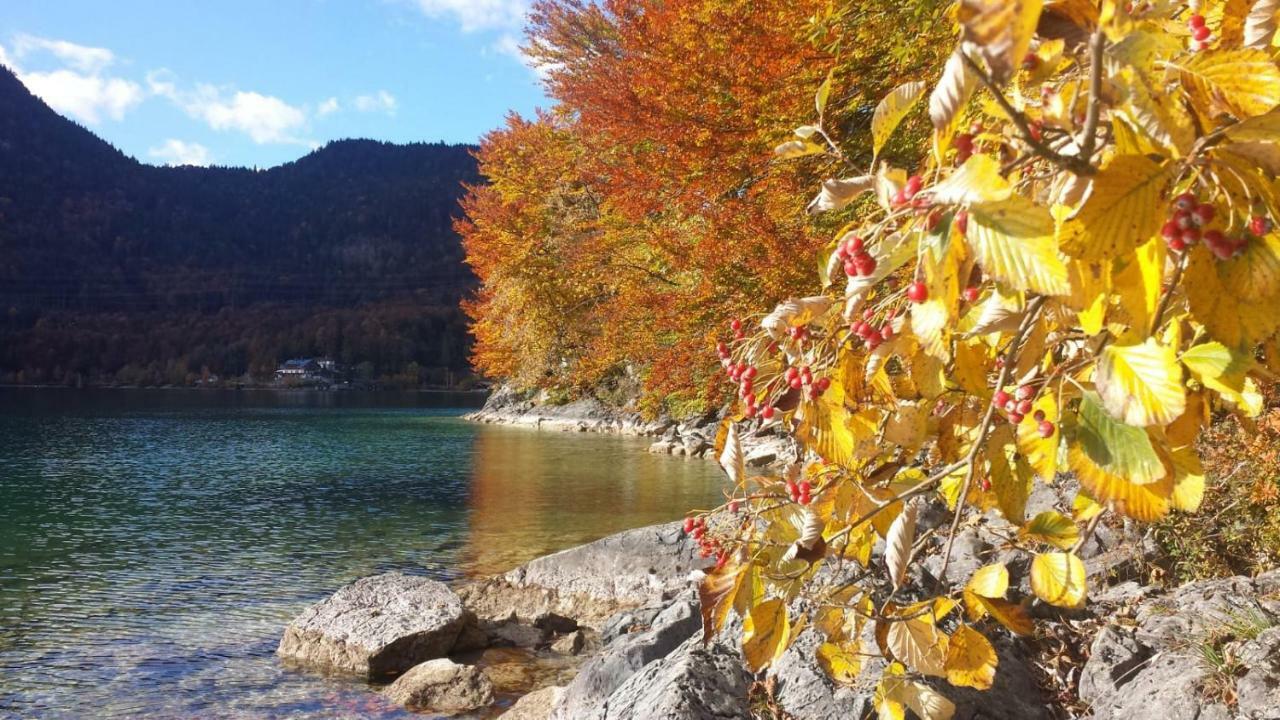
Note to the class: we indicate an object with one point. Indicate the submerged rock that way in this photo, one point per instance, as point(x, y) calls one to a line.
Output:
point(443, 686)
point(378, 626)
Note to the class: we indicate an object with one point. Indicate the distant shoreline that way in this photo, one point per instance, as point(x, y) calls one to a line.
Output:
point(441, 391)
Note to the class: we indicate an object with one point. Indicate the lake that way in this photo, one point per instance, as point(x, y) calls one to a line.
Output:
point(153, 544)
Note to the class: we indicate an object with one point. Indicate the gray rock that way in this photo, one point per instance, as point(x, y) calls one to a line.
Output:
point(1158, 668)
point(517, 634)
point(534, 706)
point(570, 644)
point(806, 693)
point(692, 683)
point(378, 626)
point(591, 582)
point(584, 697)
point(443, 686)
point(628, 621)
point(556, 623)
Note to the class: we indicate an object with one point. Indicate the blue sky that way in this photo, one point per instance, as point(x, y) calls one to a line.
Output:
point(262, 82)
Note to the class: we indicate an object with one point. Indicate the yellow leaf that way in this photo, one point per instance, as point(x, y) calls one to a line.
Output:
point(978, 180)
point(1188, 482)
point(1000, 30)
point(716, 592)
point(1219, 368)
point(792, 149)
point(1058, 579)
point(1011, 488)
point(991, 581)
point(1083, 508)
point(1116, 463)
point(1090, 288)
point(1011, 615)
point(918, 644)
point(824, 93)
point(891, 110)
point(1243, 83)
point(1215, 303)
point(971, 368)
point(951, 93)
point(924, 701)
point(971, 661)
point(1054, 528)
point(1141, 385)
point(841, 663)
point(906, 427)
point(1263, 128)
point(1013, 241)
point(1123, 210)
point(1138, 282)
point(897, 552)
point(1041, 452)
point(732, 458)
point(766, 633)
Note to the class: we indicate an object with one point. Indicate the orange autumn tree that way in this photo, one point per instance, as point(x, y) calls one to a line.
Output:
point(1084, 268)
point(676, 109)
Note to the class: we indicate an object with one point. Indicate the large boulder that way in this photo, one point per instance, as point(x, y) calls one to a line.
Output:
point(1189, 653)
point(587, 694)
point(591, 582)
point(443, 686)
point(379, 626)
point(692, 683)
point(534, 706)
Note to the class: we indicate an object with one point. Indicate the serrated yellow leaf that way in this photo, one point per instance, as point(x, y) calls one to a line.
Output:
point(1123, 210)
point(1141, 384)
point(1083, 508)
point(1011, 615)
point(1013, 241)
point(891, 110)
point(1218, 303)
point(1219, 368)
point(1090, 288)
point(1054, 528)
point(971, 661)
point(990, 581)
point(1188, 482)
point(842, 663)
point(766, 632)
point(1263, 128)
point(1059, 579)
point(924, 701)
point(918, 644)
point(1138, 282)
point(977, 180)
point(1011, 487)
point(999, 30)
point(1041, 452)
point(1244, 83)
point(716, 593)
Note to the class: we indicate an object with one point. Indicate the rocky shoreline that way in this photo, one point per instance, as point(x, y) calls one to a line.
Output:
point(693, 438)
point(611, 630)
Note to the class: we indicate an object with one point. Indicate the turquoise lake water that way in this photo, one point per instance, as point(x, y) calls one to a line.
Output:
point(153, 544)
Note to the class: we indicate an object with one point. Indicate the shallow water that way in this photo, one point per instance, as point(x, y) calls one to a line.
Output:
point(154, 543)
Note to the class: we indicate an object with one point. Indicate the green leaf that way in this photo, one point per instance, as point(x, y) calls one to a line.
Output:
point(891, 110)
point(1054, 528)
point(1116, 448)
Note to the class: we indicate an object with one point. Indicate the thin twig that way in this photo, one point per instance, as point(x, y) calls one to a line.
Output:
point(1096, 43)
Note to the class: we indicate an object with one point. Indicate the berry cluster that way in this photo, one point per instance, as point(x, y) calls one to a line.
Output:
point(857, 261)
point(1186, 224)
point(907, 193)
point(696, 528)
point(802, 377)
point(1019, 405)
point(800, 492)
point(1200, 33)
point(868, 332)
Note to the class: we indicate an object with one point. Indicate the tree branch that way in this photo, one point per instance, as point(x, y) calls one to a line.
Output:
point(1096, 44)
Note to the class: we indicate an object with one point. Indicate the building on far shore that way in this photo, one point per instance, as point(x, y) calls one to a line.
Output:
point(308, 370)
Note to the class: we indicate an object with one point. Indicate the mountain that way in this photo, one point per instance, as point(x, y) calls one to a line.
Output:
point(113, 271)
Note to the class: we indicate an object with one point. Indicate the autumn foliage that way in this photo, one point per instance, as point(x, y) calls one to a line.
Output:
point(1081, 272)
point(621, 227)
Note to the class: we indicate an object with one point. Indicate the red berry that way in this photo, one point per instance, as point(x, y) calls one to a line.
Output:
point(1039, 415)
point(1026, 391)
point(1202, 33)
point(737, 335)
point(822, 384)
point(698, 532)
point(689, 525)
point(899, 198)
point(963, 143)
point(1177, 245)
point(791, 488)
point(1190, 236)
point(865, 264)
point(735, 324)
point(767, 412)
point(886, 331)
point(1046, 429)
point(806, 373)
point(1036, 131)
point(749, 373)
point(791, 374)
point(748, 397)
point(1015, 417)
point(795, 383)
point(1185, 201)
point(1182, 219)
point(971, 294)
point(861, 328)
point(734, 505)
point(851, 268)
point(1259, 225)
point(1203, 214)
point(1170, 230)
point(1001, 398)
point(914, 183)
point(750, 411)
point(1030, 61)
point(917, 292)
point(962, 222)
point(1024, 407)
point(1196, 21)
point(853, 245)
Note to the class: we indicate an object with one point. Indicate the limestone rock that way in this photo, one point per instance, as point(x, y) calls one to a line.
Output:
point(534, 706)
point(692, 683)
point(378, 626)
point(443, 686)
point(570, 644)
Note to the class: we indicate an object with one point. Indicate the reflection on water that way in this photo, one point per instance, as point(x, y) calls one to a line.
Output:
point(153, 544)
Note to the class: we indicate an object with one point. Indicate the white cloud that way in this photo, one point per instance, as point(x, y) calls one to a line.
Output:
point(264, 118)
point(382, 101)
point(84, 97)
point(475, 15)
point(88, 60)
point(509, 44)
point(177, 152)
point(80, 89)
point(328, 107)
